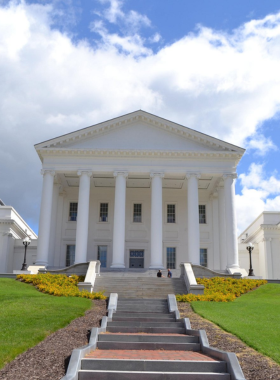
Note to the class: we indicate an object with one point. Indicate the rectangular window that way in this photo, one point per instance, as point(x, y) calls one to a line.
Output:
point(70, 255)
point(73, 211)
point(203, 257)
point(171, 216)
point(171, 257)
point(137, 213)
point(103, 215)
point(202, 214)
point(102, 255)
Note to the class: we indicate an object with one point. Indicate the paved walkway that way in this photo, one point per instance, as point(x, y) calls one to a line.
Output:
point(148, 355)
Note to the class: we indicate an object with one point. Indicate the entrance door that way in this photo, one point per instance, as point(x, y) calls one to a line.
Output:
point(136, 258)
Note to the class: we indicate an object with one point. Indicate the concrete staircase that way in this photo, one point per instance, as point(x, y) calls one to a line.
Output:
point(139, 287)
point(145, 341)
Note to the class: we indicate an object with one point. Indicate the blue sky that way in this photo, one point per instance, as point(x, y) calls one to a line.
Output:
point(210, 65)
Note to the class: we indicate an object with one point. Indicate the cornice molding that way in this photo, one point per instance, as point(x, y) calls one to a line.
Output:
point(138, 153)
point(270, 227)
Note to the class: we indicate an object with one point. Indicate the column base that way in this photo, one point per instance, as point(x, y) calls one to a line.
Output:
point(118, 266)
point(158, 266)
point(42, 263)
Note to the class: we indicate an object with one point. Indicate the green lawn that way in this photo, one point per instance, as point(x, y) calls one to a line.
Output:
point(28, 316)
point(254, 318)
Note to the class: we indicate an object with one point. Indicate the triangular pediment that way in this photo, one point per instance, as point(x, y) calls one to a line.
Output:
point(139, 131)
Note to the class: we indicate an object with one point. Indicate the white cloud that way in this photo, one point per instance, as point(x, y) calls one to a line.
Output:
point(115, 15)
point(223, 84)
point(260, 193)
point(261, 145)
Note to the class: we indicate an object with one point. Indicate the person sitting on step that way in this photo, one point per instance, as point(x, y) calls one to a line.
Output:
point(159, 273)
point(169, 273)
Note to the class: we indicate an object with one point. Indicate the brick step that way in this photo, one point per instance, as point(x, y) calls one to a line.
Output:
point(147, 338)
point(151, 330)
point(145, 324)
point(148, 346)
point(154, 365)
point(136, 375)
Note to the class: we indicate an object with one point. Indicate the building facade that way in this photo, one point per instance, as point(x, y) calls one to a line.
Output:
point(264, 234)
point(13, 229)
point(138, 191)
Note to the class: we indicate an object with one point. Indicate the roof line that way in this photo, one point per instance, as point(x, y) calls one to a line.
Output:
point(180, 125)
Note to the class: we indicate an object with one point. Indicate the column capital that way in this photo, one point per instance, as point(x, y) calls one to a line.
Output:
point(122, 173)
point(48, 171)
point(214, 195)
point(230, 175)
point(84, 171)
point(157, 174)
point(193, 174)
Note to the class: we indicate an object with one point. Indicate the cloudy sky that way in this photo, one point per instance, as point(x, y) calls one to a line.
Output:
point(211, 65)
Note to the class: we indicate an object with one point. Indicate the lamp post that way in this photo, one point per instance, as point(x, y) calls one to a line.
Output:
point(250, 248)
point(25, 242)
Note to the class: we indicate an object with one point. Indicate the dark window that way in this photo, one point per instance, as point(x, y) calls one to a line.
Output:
point(202, 214)
point(70, 255)
point(137, 213)
point(203, 257)
point(171, 216)
point(73, 211)
point(103, 215)
point(102, 255)
point(171, 257)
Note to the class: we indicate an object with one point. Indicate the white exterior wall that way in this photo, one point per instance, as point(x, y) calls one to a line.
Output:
point(137, 235)
point(264, 233)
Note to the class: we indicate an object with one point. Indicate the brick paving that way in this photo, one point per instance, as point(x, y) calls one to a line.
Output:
point(148, 355)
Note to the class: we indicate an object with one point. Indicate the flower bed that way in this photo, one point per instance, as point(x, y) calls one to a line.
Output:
point(59, 285)
point(220, 289)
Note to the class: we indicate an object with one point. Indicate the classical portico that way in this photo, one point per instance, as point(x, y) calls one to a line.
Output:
point(138, 186)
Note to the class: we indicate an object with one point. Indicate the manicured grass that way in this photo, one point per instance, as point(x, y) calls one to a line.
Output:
point(28, 316)
point(254, 318)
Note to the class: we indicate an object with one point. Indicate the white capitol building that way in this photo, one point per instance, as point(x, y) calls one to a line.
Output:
point(137, 191)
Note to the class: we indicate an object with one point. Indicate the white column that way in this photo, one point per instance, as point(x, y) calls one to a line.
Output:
point(53, 232)
point(119, 220)
point(45, 218)
point(231, 230)
point(156, 221)
point(222, 228)
point(82, 217)
point(193, 219)
point(215, 229)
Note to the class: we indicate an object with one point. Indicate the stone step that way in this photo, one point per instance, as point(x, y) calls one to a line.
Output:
point(121, 314)
point(143, 319)
point(148, 346)
point(145, 324)
point(136, 301)
point(154, 318)
point(136, 375)
point(147, 338)
point(151, 330)
point(153, 365)
point(139, 309)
